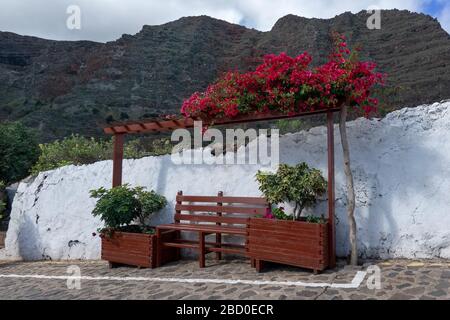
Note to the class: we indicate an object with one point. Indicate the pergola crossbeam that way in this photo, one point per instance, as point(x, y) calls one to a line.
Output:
point(167, 125)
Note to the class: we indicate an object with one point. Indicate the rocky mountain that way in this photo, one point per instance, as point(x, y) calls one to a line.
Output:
point(63, 87)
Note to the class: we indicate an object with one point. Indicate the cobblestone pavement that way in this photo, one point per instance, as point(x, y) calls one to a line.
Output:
point(400, 279)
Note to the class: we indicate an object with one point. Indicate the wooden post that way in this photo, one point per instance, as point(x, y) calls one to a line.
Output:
point(331, 194)
point(117, 159)
point(219, 235)
point(159, 247)
point(178, 232)
point(259, 265)
point(179, 203)
point(202, 251)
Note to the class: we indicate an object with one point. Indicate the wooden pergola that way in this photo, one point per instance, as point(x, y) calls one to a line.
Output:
point(120, 130)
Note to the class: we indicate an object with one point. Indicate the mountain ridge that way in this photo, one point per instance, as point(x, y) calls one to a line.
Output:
point(64, 87)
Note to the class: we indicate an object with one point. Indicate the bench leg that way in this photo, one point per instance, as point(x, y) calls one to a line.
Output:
point(219, 244)
point(158, 247)
point(201, 253)
point(178, 250)
point(253, 263)
point(259, 265)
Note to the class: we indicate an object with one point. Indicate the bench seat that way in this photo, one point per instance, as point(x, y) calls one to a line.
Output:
point(210, 215)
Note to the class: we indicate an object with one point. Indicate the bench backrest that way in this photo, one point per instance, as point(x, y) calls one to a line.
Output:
point(218, 209)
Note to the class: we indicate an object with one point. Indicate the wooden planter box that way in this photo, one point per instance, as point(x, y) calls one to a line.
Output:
point(295, 243)
point(134, 249)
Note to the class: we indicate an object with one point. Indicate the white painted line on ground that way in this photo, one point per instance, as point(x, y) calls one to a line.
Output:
point(356, 282)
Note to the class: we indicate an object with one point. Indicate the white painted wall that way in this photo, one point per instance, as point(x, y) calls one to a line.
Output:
point(401, 166)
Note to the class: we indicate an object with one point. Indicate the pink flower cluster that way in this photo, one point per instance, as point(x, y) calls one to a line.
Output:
point(269, 214)
point(289, 85)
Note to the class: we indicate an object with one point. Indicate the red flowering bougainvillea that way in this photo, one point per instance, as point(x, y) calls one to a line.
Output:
point(289, 85)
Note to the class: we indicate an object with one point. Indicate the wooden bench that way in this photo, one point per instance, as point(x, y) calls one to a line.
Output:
point(208, 215)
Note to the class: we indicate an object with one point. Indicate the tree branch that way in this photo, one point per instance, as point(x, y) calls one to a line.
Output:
point(350, 186)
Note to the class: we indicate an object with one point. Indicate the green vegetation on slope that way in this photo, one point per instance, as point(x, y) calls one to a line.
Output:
point(19, 150)
point(78, 150)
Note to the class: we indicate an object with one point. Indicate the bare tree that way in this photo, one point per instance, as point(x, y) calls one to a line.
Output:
point(350, 186)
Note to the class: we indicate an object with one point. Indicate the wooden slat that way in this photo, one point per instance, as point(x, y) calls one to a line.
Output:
point(149, 126)
point(123, 244)
point(121, 129)
point(206, 228)
point(140, 237)
point(294, 232)
point(274, 116)
point(211, 243)
point(215, 219)
point(223, 209)
point(259, 250)
point(295, 227)
point(135, 244)
point(215, 199)
point(303, 262)
point(275, 242)
point(285, 235)
point(109, 130)
point(299, 251)
point(227, 250)
point(130, 249)
point(128, 259)
point(210, 246)
point(135, 127)
point(181, 245)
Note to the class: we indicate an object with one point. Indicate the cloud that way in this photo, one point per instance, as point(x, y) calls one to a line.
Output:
point(105, 20)
point(444, 17)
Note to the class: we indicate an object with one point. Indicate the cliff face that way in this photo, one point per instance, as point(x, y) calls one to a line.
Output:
point(62, 87)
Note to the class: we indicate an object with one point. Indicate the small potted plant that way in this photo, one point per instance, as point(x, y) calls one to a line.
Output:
point(126, 238)
point(290, 239)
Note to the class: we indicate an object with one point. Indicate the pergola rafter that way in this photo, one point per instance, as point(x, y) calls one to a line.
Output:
point(120, 129)
point(152, 126)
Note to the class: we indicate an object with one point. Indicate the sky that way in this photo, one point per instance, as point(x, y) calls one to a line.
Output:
point(107, 20)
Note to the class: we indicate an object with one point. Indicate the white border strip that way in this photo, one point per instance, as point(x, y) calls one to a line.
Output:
point(356, 282)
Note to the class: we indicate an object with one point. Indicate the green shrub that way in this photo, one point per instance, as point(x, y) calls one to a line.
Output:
point(2, 209)
point(19, 150)
point(72, 150)
point(120, 206)
point(289, 126)
point(161, 147)
point(280, 214)
point(151, 202)
point(2, 200)
point(314, 219)
point(299, 184)
point(78, 150)
point(149, 147)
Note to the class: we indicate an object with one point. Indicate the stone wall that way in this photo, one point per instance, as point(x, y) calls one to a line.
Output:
point(401, 165)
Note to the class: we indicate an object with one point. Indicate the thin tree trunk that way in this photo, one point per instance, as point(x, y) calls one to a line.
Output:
point(350, 187)
point(294, 216)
